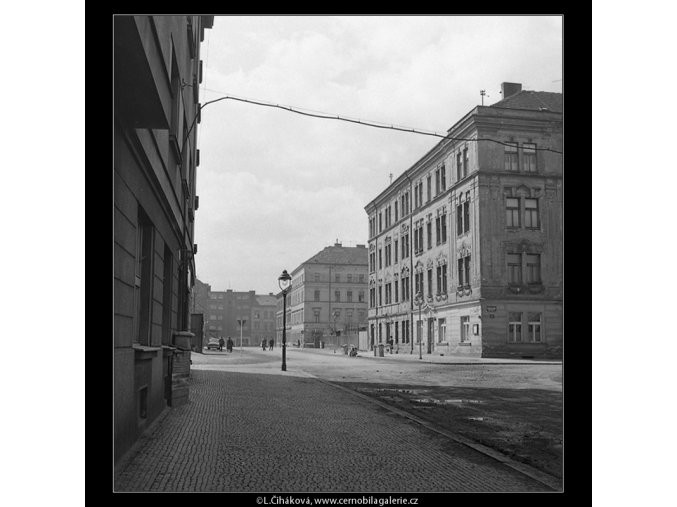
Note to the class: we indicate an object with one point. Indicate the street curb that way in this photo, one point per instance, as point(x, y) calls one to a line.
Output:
point(543, 478)
point(452, 363)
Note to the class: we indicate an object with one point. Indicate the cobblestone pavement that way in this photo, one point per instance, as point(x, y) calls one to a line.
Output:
point(244, 432)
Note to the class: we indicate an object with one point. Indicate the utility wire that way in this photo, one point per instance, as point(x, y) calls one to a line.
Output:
point(360, 122)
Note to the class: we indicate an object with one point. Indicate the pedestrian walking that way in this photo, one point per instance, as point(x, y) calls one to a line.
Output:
point(271, 342)
point(229, 345)
point(221, 343)
point(263, 344)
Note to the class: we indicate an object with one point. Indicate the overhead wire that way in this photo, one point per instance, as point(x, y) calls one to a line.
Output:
point(381, 125)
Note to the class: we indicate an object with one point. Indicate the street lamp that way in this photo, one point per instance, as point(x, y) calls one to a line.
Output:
point(431, 338)
point(418, 301)
point(336, 339)
point(284, 281)
point(242, 323)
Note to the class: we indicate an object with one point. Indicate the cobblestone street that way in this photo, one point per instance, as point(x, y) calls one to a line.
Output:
point(244, 432)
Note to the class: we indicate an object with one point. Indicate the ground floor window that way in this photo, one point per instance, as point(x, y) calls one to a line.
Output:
point(515, 327)
point(465, 328)
point(442, 330)
point(534, 327)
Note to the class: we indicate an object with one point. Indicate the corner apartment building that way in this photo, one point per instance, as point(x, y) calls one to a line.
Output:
point(223, 309)
point(328, 299)
point(475, 226)
point(157, 70)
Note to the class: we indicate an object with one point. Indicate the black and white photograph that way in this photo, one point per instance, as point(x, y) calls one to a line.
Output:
point(338, 254)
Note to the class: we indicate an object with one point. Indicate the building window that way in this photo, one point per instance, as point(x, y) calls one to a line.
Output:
point(466, 215)
point(534, 327)
point(459, 166)
point(337, 278)
point(442, 330)
point(337, 295)
point(317, 295)
point(512, 211)
point(443, 178)
point(372, 298)
point(396, 211)
point(418, 283)
point(405, 289)
point(529, 157)
point(465, 328)
point(511, 157)
point(465, 162)
point(380, 258)
point(459, 220)
point(514, 327)
point(144, 278)
point(430, 235)
point(349, 296)
point(350, 278)
point(443, 228)
point(360, 296)
point(395, 292)
point(533, 262)
point(430, 282)
point(464, 271)
point(405, 246)
point(442, 279)
point(430, 191)
point(389, 289)
point(316, 314)
point(380, 223)
point(372, 262)
point(361, 278)
point(388, 255)
point(531, 213)
point(514, 268)
point(420, 238)
point(380, 296)
point(395, 249)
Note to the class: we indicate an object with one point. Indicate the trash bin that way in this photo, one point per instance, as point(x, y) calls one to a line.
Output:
point(380, 350)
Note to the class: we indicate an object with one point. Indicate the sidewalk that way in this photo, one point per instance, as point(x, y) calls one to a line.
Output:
point(406, 354)
point(245, 432)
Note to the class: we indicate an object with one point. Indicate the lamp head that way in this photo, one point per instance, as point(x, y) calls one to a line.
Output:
point(284, 281)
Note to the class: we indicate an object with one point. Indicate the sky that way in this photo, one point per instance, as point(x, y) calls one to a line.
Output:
point(277, 187)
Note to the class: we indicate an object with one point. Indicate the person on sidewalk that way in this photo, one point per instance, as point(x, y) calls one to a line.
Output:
point(229, 345)
point(263, 344)
point(271, 342)
point(221, 343)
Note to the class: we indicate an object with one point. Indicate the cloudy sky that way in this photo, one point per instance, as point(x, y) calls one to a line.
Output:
point(276, 187)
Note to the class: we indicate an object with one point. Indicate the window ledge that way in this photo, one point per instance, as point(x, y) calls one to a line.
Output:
point(465, 344)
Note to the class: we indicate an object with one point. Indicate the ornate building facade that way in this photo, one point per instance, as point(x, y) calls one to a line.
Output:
point(475, 228)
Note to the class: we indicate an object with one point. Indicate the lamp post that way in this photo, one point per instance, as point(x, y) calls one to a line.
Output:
point(335, 316)
point(388, 320)
point(284, 281)
point(242, 323)
point(418, 301)
point(431, 327)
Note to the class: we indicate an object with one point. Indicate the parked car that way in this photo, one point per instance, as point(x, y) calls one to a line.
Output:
point(213, 344)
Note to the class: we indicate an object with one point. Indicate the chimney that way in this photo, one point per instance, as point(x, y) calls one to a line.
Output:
point(361, 246)
point(510, 89)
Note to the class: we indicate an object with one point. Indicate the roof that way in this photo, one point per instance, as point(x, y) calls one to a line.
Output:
point(340, 255)
point(266, 300)
point(535, 101)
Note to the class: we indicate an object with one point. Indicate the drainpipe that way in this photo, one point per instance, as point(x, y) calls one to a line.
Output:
point(411, 264)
